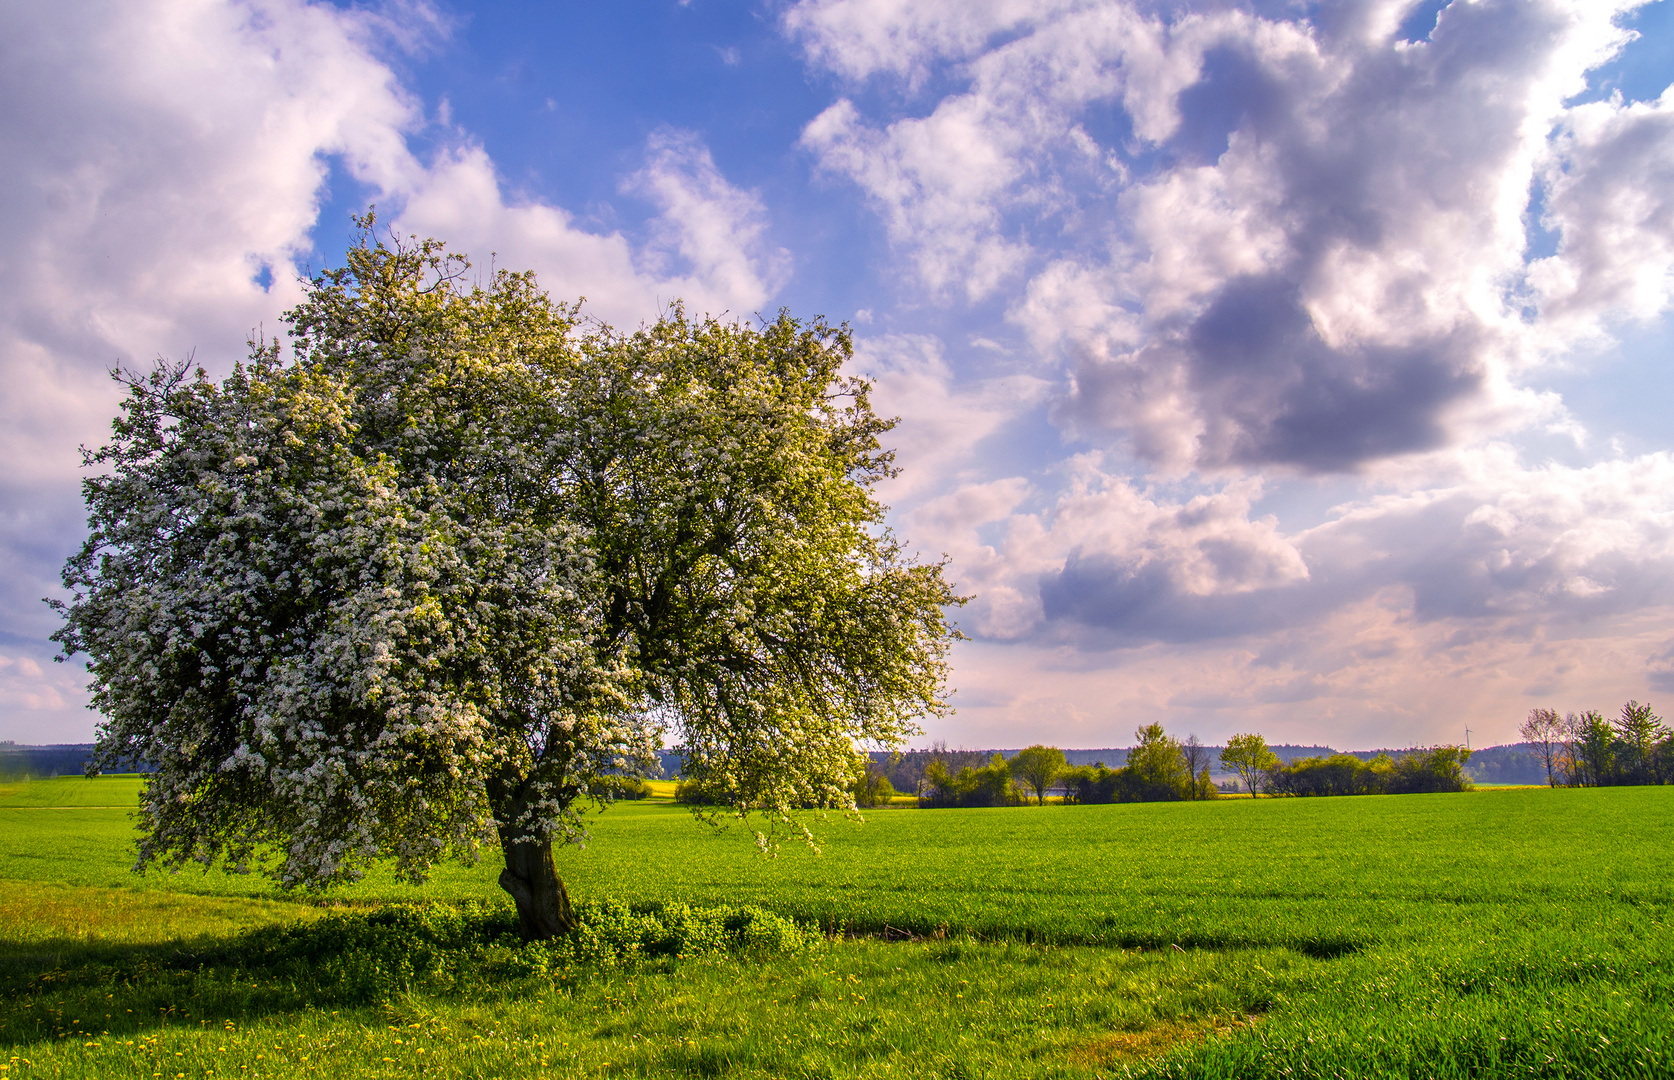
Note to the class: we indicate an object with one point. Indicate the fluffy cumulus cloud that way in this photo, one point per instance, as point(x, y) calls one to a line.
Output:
point(1258, 240)
point(1503, 548)
point(1609, 195)
point(1248, 250)
point(707, 247)
point(163, 166)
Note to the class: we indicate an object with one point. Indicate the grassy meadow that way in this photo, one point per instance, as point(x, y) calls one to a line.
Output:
point(1520, 932)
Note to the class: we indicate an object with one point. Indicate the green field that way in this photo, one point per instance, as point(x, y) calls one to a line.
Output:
point(1513, 932)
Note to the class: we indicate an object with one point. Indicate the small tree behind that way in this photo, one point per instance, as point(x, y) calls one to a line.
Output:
point(1594, 740)
point(1544, 731)
point(1638, 731)
point(1037, 767)
point(1249, 757)
point(1155, 770)
point(1196, 756)
point(987, 785)
point(1438, 769)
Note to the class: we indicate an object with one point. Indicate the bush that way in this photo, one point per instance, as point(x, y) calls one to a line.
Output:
point(1339, 774)
point(988, 786)
point(1440, 768)
point(872, 789)
point(629, 788)
point(616, 934)
point(693, 792)
point(1089, 784)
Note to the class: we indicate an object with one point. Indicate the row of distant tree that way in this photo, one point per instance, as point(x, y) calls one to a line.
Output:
point(1161, 768)
point(1158, 768)
point(1588, 750)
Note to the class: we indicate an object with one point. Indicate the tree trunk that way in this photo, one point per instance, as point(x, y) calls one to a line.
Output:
point(543, 907)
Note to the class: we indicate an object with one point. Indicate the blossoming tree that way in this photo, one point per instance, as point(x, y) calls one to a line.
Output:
point(435, 577)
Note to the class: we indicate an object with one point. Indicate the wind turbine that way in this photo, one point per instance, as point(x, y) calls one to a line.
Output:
point(1467, 738)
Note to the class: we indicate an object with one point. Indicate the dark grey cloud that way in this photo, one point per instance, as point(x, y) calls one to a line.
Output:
point(1354, 155)
point(1128, 603)
point(1276, 392)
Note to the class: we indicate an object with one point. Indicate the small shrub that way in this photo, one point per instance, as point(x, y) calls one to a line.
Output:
point(872, 789)
point(616, 934)
point(627, 788)
point(689, 791)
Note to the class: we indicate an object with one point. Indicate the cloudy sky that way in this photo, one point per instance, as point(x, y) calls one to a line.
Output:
point(1298, 367)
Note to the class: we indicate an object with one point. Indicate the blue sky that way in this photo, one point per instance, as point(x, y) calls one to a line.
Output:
point(1276, 366)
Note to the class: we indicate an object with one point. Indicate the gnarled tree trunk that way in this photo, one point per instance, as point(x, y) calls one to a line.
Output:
point(543, 907)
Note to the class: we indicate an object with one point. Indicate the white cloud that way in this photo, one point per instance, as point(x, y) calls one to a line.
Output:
point(1303, 242)
point(1117, 564)
point(943, 420)
point(717, 230)
point(864, 37)
point(935, 181)
point(158, 159)
point(1610, 195)
point(708, 244)
point(1129, 549)
point(1252, 246)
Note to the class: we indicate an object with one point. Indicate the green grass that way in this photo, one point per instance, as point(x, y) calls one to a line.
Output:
point(120, 792)
point(1508, 932)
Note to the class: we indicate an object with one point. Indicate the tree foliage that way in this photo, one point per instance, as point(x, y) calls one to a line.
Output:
point(1196, 756)
point(983, 785)
point(1038, 767)
point(1156, 769)
point(1590, 750)
point(1544, 731)
point(1639, 731)
point(1250, 758)
point(422, 584)
point(1437, 769)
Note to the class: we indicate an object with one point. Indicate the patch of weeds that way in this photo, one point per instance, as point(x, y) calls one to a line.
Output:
point(1151, 1041)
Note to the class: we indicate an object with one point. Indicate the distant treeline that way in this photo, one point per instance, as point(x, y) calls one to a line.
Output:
point(1161, 768)
point(1588, 750)
point(1439, 768)
point(905, 769)
point(1514, 764)
point(56, 759)
point(1157, 770)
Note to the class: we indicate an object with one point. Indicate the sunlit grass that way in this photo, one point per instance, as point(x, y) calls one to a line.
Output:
point(45, 916)
point(120, 792)
point(1508, 932)
point(859, 1008)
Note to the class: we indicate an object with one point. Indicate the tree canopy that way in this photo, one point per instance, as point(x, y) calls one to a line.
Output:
point(1249, 757)
point(1037, 767)
point(433, 578)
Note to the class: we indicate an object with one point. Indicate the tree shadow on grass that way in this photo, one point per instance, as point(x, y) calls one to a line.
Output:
point(67, 987)
point(357, 959)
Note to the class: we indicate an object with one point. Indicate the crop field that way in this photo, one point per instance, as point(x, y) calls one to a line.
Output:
point(1518, 932)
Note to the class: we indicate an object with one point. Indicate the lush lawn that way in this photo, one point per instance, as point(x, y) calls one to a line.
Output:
point(120, 792)
point(1512, 932)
